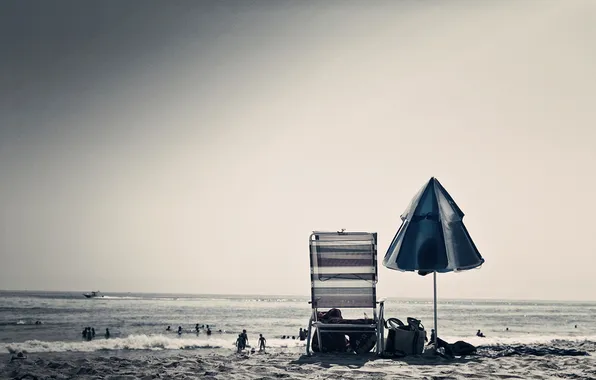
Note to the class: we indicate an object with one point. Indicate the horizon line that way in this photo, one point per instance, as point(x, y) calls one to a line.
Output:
point(430, 298)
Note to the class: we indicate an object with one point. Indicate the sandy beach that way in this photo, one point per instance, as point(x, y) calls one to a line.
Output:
point(564, 360)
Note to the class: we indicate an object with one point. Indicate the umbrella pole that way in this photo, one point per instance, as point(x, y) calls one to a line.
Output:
point(435, 302)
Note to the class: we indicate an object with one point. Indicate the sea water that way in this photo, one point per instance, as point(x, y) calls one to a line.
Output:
point(139, 321)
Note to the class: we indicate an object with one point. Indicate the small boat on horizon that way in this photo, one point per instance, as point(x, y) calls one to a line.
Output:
point(95, 294)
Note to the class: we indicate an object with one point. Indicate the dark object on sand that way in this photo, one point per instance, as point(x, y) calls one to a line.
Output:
point(461, 348)
point(404, 339)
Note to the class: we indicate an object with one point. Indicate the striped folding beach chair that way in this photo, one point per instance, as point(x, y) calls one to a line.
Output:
point(343, 273)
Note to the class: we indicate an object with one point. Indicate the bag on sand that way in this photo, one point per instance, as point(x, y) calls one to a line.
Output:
point(405, 339)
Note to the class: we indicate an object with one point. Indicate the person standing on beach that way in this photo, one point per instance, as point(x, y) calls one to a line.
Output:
point(240, 343)
point(262, 341)
point(245, 336)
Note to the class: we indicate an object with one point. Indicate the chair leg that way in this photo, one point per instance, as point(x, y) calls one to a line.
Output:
point(380, 329)
point(308, 336)
point(319, 340)
point(380, 343)
point(376, 319)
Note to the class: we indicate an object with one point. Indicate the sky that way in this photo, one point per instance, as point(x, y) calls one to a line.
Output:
point(193, 146)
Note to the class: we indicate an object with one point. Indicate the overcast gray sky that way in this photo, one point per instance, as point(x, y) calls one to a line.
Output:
point(192, 146)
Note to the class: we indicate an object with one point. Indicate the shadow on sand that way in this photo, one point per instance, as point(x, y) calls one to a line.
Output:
point(436, 360)
point(328, 360)
point(357, 361)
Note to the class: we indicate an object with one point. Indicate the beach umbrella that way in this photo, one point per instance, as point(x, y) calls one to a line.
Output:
point(432, 238)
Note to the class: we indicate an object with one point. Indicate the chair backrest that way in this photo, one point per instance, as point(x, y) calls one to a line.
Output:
point(343, 269)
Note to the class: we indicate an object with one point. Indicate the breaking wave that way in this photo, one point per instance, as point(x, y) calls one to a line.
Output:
point(137, 342)
point(131, 342)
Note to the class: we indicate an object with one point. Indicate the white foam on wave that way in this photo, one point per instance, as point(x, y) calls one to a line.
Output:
point(140, 342)
point(117, 298)
point(131, 342)
point(282, 343)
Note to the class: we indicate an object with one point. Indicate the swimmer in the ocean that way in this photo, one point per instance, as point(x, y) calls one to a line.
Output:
point(302, 334)
point(18, 356)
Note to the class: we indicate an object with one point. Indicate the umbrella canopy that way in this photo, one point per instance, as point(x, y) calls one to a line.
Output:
point(432, 236)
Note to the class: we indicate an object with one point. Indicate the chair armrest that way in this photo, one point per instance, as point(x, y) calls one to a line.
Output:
point(345, 326)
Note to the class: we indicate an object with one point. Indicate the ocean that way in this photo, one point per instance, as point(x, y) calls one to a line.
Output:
point(138, 322)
